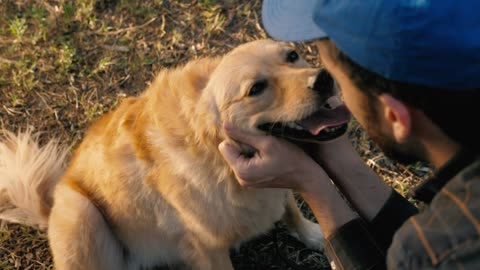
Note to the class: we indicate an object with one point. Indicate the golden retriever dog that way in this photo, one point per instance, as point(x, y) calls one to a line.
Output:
point(147, 185)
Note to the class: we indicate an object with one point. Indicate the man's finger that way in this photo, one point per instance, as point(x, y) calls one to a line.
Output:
point(241, 136)
point(243, 183)
point(234, 158)
point(230, 153)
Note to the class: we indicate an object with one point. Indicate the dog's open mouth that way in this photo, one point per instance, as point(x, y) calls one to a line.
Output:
point(323, 125)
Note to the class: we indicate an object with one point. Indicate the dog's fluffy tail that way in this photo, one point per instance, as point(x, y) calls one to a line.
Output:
point(28, 175)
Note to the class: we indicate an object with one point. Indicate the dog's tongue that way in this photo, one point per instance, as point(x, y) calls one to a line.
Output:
point(326, 118)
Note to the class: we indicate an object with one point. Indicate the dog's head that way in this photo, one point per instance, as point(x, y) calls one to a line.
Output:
point(266, 87)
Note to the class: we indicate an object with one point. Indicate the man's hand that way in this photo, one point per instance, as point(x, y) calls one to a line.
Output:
point(276, 162)
point(281, 164)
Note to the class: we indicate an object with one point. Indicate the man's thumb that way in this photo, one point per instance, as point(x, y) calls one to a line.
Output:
point(229, 152)
point(240, 136)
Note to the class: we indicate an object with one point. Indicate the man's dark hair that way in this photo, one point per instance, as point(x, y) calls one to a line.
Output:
point(456, 112)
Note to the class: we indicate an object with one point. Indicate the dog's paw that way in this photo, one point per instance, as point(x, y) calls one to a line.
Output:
point(311, 235)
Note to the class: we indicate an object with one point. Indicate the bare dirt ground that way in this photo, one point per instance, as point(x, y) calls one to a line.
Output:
point(64, 63)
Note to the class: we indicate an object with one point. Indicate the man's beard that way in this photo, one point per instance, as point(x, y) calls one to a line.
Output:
point(406, 153)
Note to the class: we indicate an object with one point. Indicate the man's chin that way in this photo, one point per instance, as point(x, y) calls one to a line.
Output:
point(408, 153)
point(405, 154)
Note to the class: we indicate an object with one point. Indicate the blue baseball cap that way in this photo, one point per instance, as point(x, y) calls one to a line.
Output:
point(434, 43)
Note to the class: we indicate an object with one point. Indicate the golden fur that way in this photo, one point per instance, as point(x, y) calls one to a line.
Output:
point(147, 185)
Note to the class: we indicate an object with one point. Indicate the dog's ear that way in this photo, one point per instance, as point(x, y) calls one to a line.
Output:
point(199, 71)
point(197, 74)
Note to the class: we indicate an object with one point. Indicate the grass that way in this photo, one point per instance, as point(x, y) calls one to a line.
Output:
point(64, 63)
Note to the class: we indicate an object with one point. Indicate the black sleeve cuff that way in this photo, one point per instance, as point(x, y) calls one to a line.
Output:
point(393, 214)
point(353, 247)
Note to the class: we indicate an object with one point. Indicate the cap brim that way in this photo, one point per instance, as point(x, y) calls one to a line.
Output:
point(289, 20)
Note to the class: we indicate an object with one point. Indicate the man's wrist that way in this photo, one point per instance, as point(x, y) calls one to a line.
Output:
point(331, 213)
point(312, 175)
point(329, 207)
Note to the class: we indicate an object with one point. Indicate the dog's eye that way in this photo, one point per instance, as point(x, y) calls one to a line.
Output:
point(292, 57)
point(258, 88)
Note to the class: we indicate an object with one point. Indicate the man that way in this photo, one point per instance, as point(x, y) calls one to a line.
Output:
point(409, 71)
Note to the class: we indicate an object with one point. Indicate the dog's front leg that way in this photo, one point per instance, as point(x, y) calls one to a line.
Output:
point(308, 232)
point(221, 260)
point(200, 257)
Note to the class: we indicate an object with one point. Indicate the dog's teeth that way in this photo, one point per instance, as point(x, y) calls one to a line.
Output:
point(297, 126)
point(293, 125)
point(332, 129)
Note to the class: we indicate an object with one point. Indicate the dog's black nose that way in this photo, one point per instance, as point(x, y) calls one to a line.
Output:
point(323, 83)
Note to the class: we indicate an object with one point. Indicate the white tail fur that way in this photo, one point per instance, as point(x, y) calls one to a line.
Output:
point(28, 175)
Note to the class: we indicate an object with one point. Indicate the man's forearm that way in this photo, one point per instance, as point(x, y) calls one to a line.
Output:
point(383, 209)
point(349, 243)
point(328, 206)
point(363, 188)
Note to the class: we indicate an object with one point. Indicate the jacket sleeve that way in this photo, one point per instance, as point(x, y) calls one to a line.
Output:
point(363, 245)
point(393, 214)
